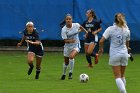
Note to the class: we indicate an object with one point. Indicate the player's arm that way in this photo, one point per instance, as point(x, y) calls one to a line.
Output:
point(83, 29)
point(127, 45)
point(101, 43)
point(64, 37)
point(69, 40)
point(22, 40)
point(96, 31)
point(105, 36)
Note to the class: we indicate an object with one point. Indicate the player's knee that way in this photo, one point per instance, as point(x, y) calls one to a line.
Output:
point(30, 61)
point(88, 53)
point(117, 76)
point(71, 57)
point(66, 63)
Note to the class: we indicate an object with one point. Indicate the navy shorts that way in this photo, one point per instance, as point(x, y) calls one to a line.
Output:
point(90, 40)
point(37, 50)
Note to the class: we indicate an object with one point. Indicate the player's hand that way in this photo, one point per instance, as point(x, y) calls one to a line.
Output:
point(19, 44)
point(100, 52)
point(94, 33)
point(86, 35)
point(28, 41)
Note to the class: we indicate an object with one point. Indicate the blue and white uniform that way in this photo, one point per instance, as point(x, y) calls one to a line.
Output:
point(37, 49)
point(91, 27)
point(71, 33)
point(118, 50)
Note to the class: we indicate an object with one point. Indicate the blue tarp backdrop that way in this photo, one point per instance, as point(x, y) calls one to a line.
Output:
point(47, 14)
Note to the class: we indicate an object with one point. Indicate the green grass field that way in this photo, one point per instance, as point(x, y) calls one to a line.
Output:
point(14, 78)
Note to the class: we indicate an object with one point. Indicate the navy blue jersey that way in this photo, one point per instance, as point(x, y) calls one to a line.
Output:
point(91, 27)
point(37, 49)
point(32, 37)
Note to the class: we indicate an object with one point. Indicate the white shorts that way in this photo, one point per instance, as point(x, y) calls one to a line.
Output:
point(68, 50)
point(118, 61)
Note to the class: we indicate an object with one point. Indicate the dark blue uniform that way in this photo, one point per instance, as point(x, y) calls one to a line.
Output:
point(37, 49)
point(91, 27)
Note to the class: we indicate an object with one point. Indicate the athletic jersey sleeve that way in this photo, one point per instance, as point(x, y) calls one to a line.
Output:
point(63, 34)
point(77, 25)
point(36, 35)
point(98, 25)
point(83, 25)
point(106, 34)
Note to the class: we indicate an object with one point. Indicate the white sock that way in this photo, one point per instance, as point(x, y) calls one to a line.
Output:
point(124, 80)
point(71, 62)
point(120, 85)
point(64, 69)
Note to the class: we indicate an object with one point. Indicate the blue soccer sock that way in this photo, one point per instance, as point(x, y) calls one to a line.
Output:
point(88, 59)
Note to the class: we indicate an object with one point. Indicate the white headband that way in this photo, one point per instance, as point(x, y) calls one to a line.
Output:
point(29, 23)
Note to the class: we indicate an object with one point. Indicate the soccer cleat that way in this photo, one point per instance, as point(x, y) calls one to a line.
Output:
point(90, 66)
point(37, 76)
point(30, 70)
point(96, 59)
point(63, 77)
point(70, 76)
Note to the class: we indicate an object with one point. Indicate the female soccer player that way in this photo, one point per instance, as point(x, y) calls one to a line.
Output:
point(92, 25)
point(35, 48)
point(72, 44)
point(119, 36)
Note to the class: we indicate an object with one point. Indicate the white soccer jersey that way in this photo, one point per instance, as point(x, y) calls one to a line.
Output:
point(71, 33)
point(118, 37)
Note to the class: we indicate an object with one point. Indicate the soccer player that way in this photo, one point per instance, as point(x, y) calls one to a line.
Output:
point(119, 36)
point(35, 48)
point(72, 44)
point(92, 25)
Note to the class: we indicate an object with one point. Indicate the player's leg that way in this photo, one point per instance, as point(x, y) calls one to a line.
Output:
point(90, 51)
point(115, 62)
point(124, 63)
point(65, 66)
point(123, 74)
point(88, 58)
point(39, 54)
point(38, 66)
point(73, 53)
point(119, 82)
point(30, 58)
point(66, 62)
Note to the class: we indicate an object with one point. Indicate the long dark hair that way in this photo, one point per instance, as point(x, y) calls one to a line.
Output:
point(63, 23)
point(93, 13)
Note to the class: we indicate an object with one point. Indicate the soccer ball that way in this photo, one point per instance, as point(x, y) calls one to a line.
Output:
point(84, 78)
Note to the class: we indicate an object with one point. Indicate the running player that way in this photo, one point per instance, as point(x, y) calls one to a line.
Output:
point(72, 44)
point(35, 48)
point(92, 25)
point(119, 36)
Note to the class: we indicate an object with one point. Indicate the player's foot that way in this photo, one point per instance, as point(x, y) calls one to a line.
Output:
point(70, 76)
point(90, 66)
point(63, 77)
point(96, 59)
point(30, 70)
point(37, 76)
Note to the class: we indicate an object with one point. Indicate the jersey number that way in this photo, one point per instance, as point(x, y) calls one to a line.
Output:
point(120, 39)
